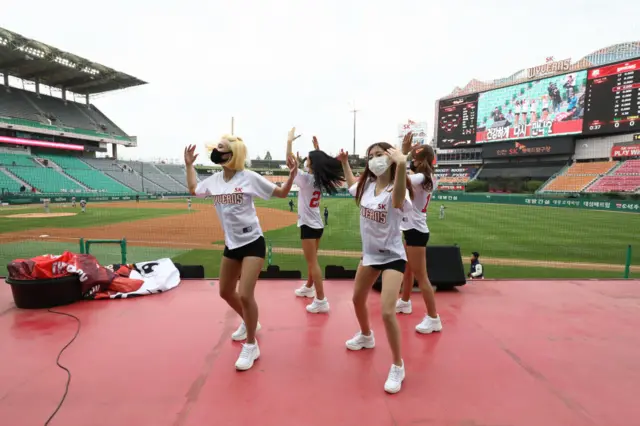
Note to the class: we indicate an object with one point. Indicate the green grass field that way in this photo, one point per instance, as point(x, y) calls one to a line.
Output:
point(516, 241)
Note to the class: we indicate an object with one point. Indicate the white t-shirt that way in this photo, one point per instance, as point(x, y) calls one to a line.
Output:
point(233, 201)
point(308, 201)
point(416, 216)
point(380, 226)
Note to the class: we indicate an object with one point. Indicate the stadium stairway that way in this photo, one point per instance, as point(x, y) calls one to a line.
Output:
point(10, 182)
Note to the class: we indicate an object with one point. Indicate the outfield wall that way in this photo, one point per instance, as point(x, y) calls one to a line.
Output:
point(580, 202)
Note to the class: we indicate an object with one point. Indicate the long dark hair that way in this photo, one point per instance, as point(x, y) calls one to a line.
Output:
point(426, 155)
point(327, 171)
point(368, 176)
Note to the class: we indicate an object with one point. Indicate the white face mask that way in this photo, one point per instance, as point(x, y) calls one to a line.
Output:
point(379, 165)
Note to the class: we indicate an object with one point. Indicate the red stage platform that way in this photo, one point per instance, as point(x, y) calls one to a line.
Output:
point(523, 353)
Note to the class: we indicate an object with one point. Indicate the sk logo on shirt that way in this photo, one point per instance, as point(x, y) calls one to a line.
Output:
point(238, 190)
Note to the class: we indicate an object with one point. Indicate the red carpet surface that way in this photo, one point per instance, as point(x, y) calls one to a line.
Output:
point(535, 353)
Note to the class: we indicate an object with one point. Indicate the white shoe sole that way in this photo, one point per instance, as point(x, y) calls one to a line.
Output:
point(404, 311)
point(394, 390)
point(360, 347)
point(433, 330)
point(318, 311)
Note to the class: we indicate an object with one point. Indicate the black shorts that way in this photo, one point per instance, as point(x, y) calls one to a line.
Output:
point(309, 233)
point(257, 248)
point(397, 265)
point(415, 238)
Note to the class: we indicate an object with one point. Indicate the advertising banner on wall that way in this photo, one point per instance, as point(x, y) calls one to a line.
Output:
point(618, 151)
point(528, 148)
point(418, 128)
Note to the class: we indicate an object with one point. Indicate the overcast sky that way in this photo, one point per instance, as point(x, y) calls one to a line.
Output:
point(279, 63)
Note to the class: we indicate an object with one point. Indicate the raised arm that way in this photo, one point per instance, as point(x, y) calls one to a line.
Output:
point(406, 143)
point(283, 191)
point(292, 137)
point(343, 157)
point(189, 158)
point(400, 184)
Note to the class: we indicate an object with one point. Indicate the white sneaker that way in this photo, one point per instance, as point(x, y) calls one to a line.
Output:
point(249, 354)
point(360, 341)
point(305, 291)
point(318, 306)
point(429, 325)
point(241, 332)
point(395, 378)
point(403, 307)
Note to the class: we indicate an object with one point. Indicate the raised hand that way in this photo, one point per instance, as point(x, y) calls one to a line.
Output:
point(396, 156)
point(406, 142)
point(315, 143)
point(343, 156)
point(190, 155)
point(292, 135)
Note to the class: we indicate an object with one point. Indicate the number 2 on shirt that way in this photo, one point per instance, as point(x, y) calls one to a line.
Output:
point(424, 210)
point(315, 199)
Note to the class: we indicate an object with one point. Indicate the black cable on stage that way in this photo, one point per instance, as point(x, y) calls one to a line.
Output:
point(66, 388)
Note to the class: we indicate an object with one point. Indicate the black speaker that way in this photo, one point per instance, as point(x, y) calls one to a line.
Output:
point(190, 271)
point(334, 272)
point(273, 272)
point(444, 267)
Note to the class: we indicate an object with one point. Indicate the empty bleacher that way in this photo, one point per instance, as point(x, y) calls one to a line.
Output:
point(522, 170)
point(87, 175)
point(578, 176)
point(128, 177)
point(625, 178)
point(155, 175)
point(45, 180)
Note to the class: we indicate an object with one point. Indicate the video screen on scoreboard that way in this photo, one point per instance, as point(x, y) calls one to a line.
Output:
point(612, 101)
point(536, 109)
point(457, 121)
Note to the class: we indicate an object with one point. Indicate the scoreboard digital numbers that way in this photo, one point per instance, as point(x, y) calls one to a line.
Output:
point(457, 121)
point(612, 100)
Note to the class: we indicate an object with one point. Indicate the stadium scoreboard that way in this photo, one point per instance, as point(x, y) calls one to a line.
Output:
point(612, 103)
point(457, 121)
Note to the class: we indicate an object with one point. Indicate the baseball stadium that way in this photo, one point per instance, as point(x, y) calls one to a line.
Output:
point(538, 172)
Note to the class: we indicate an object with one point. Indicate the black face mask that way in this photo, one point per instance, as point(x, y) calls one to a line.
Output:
point(412, 167)
point(219, 157)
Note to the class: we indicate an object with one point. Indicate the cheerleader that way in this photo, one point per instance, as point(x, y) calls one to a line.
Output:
point(381, 193)
point(416, 235)
point(233, 190)
point(322, 173)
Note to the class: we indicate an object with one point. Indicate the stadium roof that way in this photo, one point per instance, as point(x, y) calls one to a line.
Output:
point(29, 59)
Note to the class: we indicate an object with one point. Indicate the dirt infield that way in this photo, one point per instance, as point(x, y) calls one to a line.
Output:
point(198, 229)
point(36, 215)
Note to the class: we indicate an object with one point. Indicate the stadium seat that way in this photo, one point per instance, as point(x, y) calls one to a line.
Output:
point(579, 176)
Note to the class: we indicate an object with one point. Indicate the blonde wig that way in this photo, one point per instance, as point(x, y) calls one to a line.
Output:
point(238, 152)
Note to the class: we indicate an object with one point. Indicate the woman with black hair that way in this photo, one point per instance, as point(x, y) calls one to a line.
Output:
point(322, 173)
point(233, 191)
point(416, 235)
point(382, 193)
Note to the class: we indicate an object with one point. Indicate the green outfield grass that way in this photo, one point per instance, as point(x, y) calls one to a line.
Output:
point(528, 233)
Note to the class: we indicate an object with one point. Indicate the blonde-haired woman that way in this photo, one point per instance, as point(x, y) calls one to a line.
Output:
point(233, 190)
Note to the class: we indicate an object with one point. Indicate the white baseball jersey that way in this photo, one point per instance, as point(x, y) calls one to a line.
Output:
point(416, 216)
point(233, 201)
point(308, 201)
point(380, 226)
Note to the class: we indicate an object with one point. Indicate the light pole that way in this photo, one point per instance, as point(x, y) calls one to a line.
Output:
point(354, 111)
